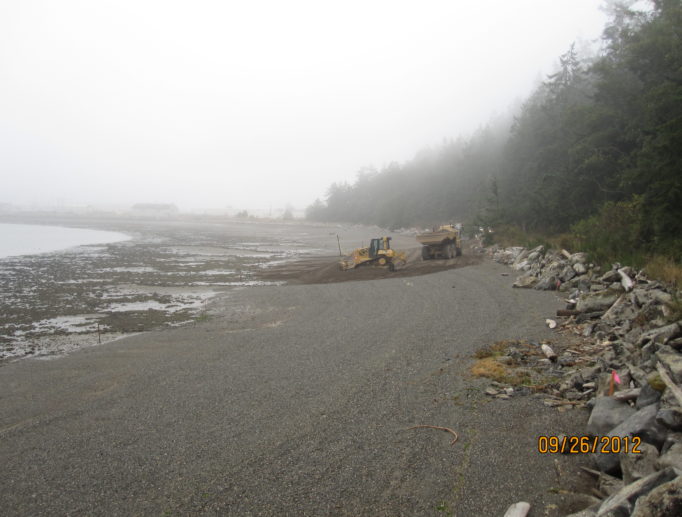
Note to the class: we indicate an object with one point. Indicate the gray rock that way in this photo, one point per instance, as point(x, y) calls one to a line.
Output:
point(661, 334)
point(546, 283)
point(568, 273)
point(525, 282)
point(636, 466)
point(643, 424)
point(610, 276)
point(675, 343)
point(520, 258)
point(583, 283)
point(609, 485)
point(596, 301)
point(638, 375)
point(607, 414)
point(619, 311)
point(671, 440)
point(644, 296)
point(622, 503)
point(579, 268)
point(670, 417)
point(578, 258)
point(673, 363)
point(671, 458)
point(663, 501)
point(647, 396)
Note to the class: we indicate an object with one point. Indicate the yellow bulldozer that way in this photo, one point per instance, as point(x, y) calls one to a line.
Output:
point(378, 253)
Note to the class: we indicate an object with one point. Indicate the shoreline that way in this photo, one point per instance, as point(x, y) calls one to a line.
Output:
point(162, 277)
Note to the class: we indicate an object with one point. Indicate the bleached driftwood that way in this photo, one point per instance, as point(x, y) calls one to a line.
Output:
point(519, 509)
point(549, 353)
point(625, 280)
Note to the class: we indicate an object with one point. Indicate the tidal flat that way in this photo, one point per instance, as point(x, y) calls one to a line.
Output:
point(164, 276)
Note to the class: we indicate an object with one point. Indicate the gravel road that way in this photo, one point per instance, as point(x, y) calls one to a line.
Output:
point(291, 400)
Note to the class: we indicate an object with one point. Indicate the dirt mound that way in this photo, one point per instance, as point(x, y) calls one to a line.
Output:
point(325, 270)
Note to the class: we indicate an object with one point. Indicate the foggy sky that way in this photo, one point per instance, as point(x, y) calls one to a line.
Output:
point(258, 103)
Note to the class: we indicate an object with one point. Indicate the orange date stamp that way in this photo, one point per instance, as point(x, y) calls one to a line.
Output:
point(589, 444)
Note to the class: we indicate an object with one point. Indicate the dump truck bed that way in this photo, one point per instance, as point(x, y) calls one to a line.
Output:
point(435, 238)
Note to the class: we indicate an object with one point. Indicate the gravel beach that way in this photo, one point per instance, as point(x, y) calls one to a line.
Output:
point(293, 400)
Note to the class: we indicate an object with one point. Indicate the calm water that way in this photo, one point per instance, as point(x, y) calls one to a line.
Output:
point(28, 239)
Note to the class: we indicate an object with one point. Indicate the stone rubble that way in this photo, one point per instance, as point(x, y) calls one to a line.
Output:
point(624, 326)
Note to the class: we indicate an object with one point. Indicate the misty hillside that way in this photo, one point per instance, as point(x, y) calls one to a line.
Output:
point(596, 150)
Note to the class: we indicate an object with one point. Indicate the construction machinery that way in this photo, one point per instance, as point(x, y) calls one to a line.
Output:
point(443, 242)
point(378, 253)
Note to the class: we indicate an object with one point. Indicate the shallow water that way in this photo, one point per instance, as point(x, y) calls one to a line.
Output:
point(29, 239)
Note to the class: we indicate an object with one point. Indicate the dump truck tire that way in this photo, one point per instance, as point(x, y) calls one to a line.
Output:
point(425, 253)
point(458, 252)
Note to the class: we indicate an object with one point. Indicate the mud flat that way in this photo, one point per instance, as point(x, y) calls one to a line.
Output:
point(53, 303)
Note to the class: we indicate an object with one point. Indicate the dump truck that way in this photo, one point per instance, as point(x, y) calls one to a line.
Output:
point(378, 253)
point(443, 242)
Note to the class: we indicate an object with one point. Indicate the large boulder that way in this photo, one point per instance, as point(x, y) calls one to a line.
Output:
point(579, 268)
point(620, 310)
point(594, 302)
point(525, 282)
point(663, 501)
point(671, 458)
point(567, 273)
point(644, 296)
point(607, 414)
point(639, 465)
point(610, 276)
point(642, 424)
point(546, 283)
point(622, 503)
point(521, 257)
point(670, 417)
point(647, 396)
point(660, 335)
point(578, 258)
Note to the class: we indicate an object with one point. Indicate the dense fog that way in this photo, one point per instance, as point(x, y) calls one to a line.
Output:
point(256, 104)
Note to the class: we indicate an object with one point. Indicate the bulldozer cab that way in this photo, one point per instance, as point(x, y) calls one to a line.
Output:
point(376, 245)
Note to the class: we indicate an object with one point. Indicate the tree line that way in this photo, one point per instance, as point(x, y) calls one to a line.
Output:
point(595, 150)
